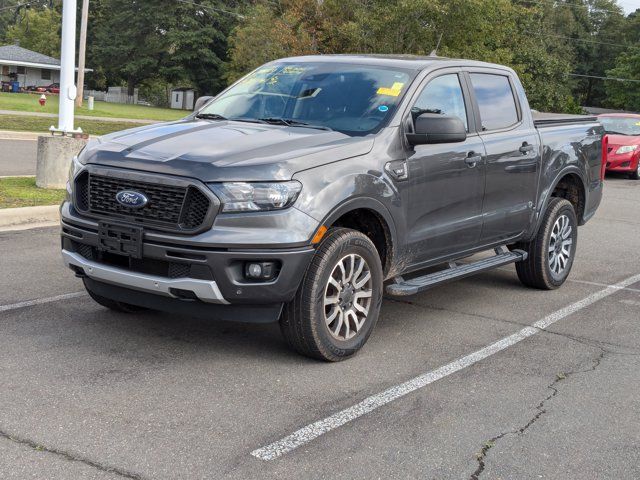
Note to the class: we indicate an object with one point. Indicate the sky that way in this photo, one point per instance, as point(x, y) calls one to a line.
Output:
point(629, 5)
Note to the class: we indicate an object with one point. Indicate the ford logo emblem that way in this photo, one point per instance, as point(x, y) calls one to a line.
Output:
point(131, 199)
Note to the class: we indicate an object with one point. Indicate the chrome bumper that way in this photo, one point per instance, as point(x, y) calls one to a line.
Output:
point(205, 290)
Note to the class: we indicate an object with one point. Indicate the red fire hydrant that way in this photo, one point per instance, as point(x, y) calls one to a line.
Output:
point(43, 100)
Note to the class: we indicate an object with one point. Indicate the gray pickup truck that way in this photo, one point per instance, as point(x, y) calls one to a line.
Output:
point(314, 185)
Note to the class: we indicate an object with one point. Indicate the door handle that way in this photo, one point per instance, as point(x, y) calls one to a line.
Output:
point(526, 148)
point(473, 159)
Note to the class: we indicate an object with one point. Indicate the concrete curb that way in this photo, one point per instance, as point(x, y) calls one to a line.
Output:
point(19, 135)
point(25, 216)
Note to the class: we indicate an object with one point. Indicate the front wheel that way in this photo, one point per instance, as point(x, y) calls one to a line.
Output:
point(338, 302)
point(636, 175)
point(553, 249)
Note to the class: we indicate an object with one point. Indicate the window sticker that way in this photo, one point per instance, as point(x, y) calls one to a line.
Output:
point(383, 108)
point(292, 70)
point(394, 91)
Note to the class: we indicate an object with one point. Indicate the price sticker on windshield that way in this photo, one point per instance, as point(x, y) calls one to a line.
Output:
point(394, 91)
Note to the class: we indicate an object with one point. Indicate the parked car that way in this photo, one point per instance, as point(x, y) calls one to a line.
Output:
point(623, 152)
point(295, 194)
point(53, 88)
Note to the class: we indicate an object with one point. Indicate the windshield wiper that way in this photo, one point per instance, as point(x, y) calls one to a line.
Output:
point(292, 123)
point(210, 116)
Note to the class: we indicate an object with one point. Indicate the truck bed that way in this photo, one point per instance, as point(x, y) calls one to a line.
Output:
point(541, 119)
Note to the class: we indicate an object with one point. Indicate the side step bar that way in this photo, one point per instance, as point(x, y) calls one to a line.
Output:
point(403, 288)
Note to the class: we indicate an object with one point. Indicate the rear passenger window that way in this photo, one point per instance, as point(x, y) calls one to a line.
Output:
point(442, 95)
point(495, 100)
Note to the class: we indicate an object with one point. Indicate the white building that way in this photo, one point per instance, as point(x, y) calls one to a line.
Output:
point(31, 69)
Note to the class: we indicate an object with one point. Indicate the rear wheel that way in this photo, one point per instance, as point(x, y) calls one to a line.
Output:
point(338, 302)
point(112, 304)
point(552, 251)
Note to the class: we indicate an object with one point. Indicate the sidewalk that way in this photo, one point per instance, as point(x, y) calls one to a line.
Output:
point(80, 117)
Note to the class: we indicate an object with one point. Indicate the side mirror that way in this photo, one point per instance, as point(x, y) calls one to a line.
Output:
point(201, 103)
point(435, 128)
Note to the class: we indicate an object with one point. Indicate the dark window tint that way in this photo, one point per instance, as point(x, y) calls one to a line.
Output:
point(442, 95)
point(496, 101)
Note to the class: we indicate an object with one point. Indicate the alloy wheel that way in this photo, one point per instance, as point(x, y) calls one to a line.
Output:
point(347, 297)
point(560, 245)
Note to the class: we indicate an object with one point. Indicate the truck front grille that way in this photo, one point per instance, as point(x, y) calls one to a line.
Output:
point(170, 207)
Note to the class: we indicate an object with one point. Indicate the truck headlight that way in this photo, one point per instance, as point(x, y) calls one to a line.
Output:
point(74, 168)
point(626, 149)
point(256, 197)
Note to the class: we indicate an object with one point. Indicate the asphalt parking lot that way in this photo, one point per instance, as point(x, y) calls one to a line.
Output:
point(87, 393)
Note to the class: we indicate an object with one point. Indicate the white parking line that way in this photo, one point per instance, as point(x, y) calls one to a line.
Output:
point(316, 429)
point(40, 301)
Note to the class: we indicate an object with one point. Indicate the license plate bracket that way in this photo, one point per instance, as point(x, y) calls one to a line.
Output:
point(120, 239)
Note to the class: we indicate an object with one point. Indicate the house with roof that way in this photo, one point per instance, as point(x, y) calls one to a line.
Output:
point(29, 68)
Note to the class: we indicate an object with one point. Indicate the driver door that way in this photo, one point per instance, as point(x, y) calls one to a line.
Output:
point(446, 187)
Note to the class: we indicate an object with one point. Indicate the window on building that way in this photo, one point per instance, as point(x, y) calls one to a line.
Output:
point(21, 70)
point(46, 74)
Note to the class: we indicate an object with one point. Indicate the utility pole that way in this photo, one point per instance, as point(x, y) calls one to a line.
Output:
point(83, 51)
point(68, 91)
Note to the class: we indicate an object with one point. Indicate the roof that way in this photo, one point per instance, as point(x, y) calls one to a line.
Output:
point(17, 54)
point(415, 62)
point(22, 57)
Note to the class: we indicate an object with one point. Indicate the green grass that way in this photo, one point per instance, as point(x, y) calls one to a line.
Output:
point(22, 192)
point(42, 124)
point(27, 102)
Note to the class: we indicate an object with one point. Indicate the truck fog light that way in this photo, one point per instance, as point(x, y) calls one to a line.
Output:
point(260, 270)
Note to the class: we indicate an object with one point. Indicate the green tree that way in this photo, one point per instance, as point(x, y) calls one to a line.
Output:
point(623, 94)
point(498, 31)
point(37, 30)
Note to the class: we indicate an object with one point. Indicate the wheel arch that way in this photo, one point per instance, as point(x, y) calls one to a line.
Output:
point(370, 217)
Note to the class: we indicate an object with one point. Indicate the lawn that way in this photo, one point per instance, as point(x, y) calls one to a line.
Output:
point(22, 192)
point(26, 102)
point(41, 124)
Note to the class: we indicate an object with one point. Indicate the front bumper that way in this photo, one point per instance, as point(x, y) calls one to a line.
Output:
point(181, 271)
point(623, 163)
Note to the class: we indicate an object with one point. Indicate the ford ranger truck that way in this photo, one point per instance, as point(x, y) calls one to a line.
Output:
point(312, 187)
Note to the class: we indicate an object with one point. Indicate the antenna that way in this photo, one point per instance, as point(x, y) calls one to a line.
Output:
point(434, 52)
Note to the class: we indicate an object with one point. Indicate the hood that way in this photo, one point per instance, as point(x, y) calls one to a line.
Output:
point(618, 140)
point(213, 151)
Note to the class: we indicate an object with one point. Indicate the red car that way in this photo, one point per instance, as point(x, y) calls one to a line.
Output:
point(623, 130)
point(53, 88)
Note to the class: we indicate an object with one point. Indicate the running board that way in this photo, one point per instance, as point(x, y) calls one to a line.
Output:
point(403, 288)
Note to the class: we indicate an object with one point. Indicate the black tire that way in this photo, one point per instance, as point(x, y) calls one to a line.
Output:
point(536, 271)
point(304, 320)
point(112, 304)
point(636, 175)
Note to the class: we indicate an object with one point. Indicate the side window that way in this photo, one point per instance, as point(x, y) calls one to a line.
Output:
point(496, 101)
point(442, 95)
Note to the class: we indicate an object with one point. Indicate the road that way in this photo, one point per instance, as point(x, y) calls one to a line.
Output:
point(87, 393)
point(18, 156)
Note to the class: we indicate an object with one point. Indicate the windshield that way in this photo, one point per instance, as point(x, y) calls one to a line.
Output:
point(621, 125)
point(352, 99)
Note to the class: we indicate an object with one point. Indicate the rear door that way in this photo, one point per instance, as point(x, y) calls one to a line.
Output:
point(513, 154)
point(444, 211)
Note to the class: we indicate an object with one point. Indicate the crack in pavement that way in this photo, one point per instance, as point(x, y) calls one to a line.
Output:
point(582, 340)
point(489, 444)
point(69, 457)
